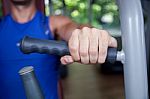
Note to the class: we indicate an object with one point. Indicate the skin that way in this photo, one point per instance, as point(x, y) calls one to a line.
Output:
point(86, 44)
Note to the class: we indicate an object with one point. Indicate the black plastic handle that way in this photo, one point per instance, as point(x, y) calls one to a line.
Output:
point(34, 45)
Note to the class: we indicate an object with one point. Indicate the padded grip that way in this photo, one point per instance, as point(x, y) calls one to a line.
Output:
point(34, 45)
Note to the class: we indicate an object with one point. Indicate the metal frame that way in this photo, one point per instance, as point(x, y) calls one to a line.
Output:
point(146, 11)
point(133, 38)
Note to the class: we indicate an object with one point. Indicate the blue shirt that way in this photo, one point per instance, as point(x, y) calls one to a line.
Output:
point(12, 59)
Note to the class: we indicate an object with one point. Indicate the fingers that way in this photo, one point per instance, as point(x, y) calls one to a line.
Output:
point(74, 45)
point(93, 46)
point(112, 42)
point(103, 45)
point(84, 45)
point(89, 45)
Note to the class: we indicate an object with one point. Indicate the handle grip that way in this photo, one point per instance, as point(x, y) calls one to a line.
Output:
point(32, 87)
point(34, 45)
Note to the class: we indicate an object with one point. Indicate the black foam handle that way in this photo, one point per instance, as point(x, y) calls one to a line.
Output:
point(34, 45)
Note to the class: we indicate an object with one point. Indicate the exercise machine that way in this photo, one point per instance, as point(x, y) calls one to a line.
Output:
point(133, 54)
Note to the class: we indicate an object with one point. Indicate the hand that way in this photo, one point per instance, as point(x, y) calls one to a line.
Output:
point(88, 46)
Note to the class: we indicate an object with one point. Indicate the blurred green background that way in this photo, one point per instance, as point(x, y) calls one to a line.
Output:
point(95, 12)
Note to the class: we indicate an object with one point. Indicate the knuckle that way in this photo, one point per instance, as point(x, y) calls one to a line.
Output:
point(94, 30)
point(104, 33)
point(76, 58)
point(102, 52)
point(95, 33)
point(83, 53)
point(73, 48)
point(85, 28)
point(93, 52)
point(76, 30)
point(75, 33)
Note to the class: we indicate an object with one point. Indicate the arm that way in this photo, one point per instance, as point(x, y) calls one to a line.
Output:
point(86, 44)
point(63, 26)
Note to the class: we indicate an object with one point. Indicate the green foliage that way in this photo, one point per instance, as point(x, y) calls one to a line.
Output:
point(78, 10)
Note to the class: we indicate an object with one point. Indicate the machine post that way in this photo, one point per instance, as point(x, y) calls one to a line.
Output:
point(135, 67)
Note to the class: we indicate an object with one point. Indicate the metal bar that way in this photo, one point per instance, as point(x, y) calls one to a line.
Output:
point(135, 67)
point(146, 10)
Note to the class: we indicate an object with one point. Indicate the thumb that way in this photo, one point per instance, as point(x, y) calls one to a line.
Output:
point(65, 60)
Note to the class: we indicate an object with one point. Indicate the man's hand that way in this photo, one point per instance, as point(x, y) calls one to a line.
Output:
point(88, 46)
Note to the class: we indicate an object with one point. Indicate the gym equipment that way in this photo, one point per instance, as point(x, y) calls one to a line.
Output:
point(33, 45)
point(133, 42)
point(146, 11)
point(31, 85)
point(134, 51)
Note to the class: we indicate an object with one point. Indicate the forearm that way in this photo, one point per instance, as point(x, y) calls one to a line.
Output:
point(66, 31)
point(63, 26)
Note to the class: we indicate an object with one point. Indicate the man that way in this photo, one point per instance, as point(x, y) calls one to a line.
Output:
point(86, 45)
